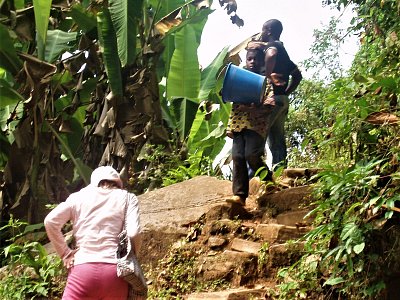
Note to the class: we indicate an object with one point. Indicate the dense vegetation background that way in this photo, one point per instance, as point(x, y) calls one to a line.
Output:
point(130, 94)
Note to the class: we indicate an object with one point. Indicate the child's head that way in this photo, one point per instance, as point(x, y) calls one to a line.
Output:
point(254, 60)
point(272, 28)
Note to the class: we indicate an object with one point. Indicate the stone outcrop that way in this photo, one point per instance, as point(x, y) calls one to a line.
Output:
point(228, 237)
point(171, 208)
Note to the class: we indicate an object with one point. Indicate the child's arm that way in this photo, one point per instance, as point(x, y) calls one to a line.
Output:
point(258, 45)
point(229, 133)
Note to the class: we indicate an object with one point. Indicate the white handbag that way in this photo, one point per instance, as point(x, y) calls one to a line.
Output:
point(128, 267)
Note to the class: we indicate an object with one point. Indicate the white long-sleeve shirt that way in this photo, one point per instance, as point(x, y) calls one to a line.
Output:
point(97, 215)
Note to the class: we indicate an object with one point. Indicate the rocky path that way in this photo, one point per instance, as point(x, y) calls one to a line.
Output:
point(231, 249)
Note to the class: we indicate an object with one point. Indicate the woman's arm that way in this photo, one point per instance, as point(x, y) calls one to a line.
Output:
point(53, 223)
point(133, 222)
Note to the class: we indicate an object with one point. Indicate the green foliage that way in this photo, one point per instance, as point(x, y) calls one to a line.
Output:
point(57, 43)
point(123, 16)
point(42, 14)
point(300, 281)
point(339, 246)
point(208, 75)
point(325, 61)
point(184, 82)
point(325, 122)
point(168, 166)
point(109, 48)
point(305, 125)
point(195, 165)
point(344, 127)
point(102, 104)
point(263, 255)
point(31, 272)
point(184, 112)
point(9, 58)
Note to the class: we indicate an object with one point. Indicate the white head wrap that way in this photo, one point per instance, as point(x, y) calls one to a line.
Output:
point(105, 173)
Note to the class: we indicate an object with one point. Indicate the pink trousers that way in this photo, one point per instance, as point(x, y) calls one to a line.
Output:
point(95, 281)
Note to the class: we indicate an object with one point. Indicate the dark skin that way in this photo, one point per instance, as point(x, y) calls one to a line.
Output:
point(253, 64)
point(253, 61)
point(267, 35)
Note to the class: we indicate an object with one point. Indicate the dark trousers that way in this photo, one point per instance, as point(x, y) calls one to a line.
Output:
point(248, 148)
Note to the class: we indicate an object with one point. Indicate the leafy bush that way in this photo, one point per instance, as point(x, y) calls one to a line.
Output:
point(344, 256)
point(166, 167)
point(195, 165)
point(30, 271)
point(348, 128)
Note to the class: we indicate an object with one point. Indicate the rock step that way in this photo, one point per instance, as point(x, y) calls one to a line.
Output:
point(241, 265)
point(247, 255)
point(241, 245)
point(232, 294)
point(294, 218)
point(238, 268)
point(300, 172)
point(279, 233)
point(288, 199)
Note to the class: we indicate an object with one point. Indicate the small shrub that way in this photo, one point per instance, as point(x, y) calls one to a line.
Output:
point(30, 272)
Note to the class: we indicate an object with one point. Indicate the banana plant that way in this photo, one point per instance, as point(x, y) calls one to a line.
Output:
point(85, 91)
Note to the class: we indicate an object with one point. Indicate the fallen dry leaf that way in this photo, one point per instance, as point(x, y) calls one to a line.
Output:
point(379, 118)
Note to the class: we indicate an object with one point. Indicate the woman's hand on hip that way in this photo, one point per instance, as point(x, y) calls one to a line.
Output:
point(68, 259)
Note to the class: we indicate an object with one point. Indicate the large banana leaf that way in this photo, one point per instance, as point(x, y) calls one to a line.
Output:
point(221, 118)
point(211, 134)
point(209, 75)
point(58, 42)
point(169, 48)
point(208, 133)
point(196, 18)
point(184, 111)
point(8, 96)
point(173, 22)
point(19, 4)
point(200, 129)
point(123, 17)
point(164, 7)
point(42, 14)
point(8, 57)
point(81, 168)
point(224, 108)
point(108, 46)
point(214, 142)
point(83, 18)
point(183, 79)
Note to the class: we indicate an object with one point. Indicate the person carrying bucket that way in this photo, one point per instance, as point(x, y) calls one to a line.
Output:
point(247, 127)
point(278, 70)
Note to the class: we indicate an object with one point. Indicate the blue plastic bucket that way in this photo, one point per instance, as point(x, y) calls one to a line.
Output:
point(242, 86)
